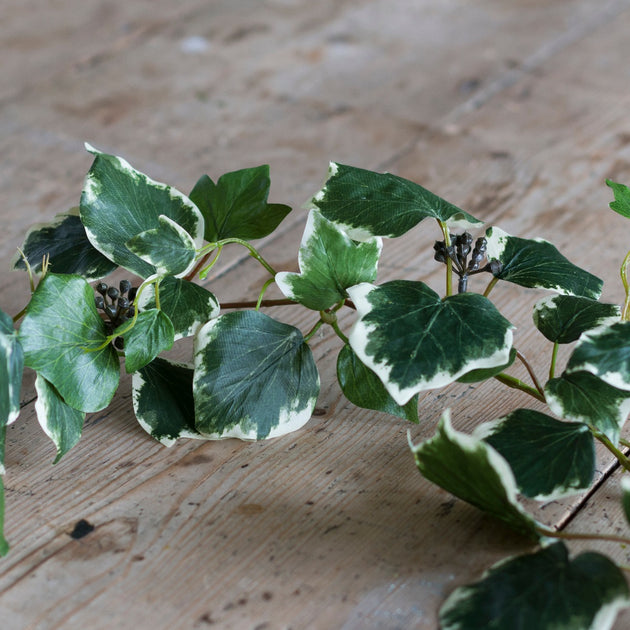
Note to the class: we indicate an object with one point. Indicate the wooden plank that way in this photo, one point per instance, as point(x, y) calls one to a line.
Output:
point(332, 526)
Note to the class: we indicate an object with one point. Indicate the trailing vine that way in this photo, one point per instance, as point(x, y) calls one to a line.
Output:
point(251, 376)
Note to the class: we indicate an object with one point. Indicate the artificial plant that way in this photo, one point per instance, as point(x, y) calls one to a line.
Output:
point(253, 377)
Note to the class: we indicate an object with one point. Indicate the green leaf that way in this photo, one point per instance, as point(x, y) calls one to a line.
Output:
point(549, 458)
point(472, 470)
point(163, 400)
point(604, 352)
point(583, 397)
point(413, 340)
point(151, 334)
point(168, 247)
point(118, 203)
point(66, 244)
point(364, 389)
point(542, 591)
point(255, 377)
point(330, 262)
point(11, 368)
point(236, 206)
point(367, 204)
point(537, 264)
point(476, 376)
point(63, 339)
point(4, 545)
point(621, 204)
point(186, 304)
point(563, 318)
point(60, 422)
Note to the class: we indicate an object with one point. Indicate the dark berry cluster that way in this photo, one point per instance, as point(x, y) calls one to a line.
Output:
point(459, 251)
point(117, 304)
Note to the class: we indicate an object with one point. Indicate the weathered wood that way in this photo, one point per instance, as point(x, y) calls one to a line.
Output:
point(514, 111)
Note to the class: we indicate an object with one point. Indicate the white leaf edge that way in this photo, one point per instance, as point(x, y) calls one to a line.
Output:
point(548, 303)
point(184, 236)
point(487, 429)
point(290, 419)
point(42, 407)
point(363, 234)
point(615, 379)
point(359, 338)
point(603, 619)
point(8, 343)
point(91, 187)
point(284, 278)
point(137, 382)
point(473, 444)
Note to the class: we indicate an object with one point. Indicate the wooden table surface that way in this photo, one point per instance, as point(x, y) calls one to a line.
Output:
point(515, 111)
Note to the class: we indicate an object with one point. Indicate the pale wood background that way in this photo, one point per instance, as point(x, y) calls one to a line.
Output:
point(516, 111)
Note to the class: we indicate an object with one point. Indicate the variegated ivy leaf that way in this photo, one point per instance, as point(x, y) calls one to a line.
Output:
point(168, 247)
point(604, 352)
point(583, 397)
point(549, 458)
point(236, 206)
point(413, 340)
point(255, 377)
point(64, 339)
point(67, 247)
point(364, 389)
point(474, 471)
point(186, 304)
point(537, 264)
point(60, 422)
point(118, 202)
point(11, 368)
point(163, 400)
point(330, 262)
point(545, 590)
point(151, 334)
point(563, 318)
point(621, 204)
point(367, 204)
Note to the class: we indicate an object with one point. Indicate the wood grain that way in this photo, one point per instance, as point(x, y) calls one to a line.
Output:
point(515, 111)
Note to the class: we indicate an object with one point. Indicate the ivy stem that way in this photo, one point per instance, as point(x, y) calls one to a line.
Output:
point(449, 262)
point(206, 270)
point(552, 533)
point(516, 383)
point(531, 373)
point(312, 331)
point(18, 317)
point(262, 293)
point(490, 286)
point(621, 457)
point(253, 252)
point(554, 356)
point(625, 313)
point(624, 442)
point(202, 261)
point(259, 303)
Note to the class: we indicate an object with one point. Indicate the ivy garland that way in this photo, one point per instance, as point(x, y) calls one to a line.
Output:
point(253, 377)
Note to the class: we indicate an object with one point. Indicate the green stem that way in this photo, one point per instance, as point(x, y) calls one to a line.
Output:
point(335, 326)
point(18, 317)
point(554, 356)
point(490, 286)
point(203, 274)
point(516, 383)
point(621, 457)
point(624, 442)
point(531, 373)
point(202, 261)
point(449, 262)
point(262, 293)
point(253, 252)
point(312, 331)
point(552, 533)
point(625, 313)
